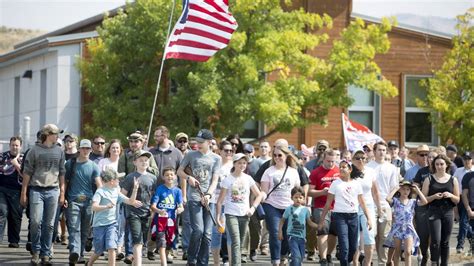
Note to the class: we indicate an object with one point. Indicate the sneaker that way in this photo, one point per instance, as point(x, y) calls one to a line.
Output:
point(35, 259)
point(283, 261)
point(81, 260)
point(63, 240)
point(46, 260)
point(253, 255)
point(13, 245)
point(323, 262)
point(169, 258)
point(329, 258)
point(244, 259)
point(128, 260)
point(185, 255)
point(120, 256)
point(458, 250)
point(264, 251)
point(150, 255)
point(28, 246)
point(310, 256)
point(73, 258)
point(88, 246)
point(57, 240)
point(337, 252)
point(361, 258)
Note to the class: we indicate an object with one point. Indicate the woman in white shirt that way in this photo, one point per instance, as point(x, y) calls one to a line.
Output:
point(112, 155)
point(366, 177)
point(347, 195)
point(235, 190)
point(277, 182)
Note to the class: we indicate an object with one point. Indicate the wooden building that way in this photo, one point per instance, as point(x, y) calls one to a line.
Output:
point(413, 55)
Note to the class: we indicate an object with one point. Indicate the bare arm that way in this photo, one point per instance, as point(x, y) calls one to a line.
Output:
point(280, 228)
point(455, 195)
point(376, 197)
point(329, 201)
point(24, 189)
point(364, 208)
point(98, 208)
point(422, 201)
point(313, 192)
point(182, 178)
point(390, 195)
point(98, 182)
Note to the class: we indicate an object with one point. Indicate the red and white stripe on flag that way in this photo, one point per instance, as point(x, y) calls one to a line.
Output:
point(357, 135)
point(205, 27)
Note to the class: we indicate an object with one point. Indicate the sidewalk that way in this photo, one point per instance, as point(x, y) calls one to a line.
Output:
point(19, 256)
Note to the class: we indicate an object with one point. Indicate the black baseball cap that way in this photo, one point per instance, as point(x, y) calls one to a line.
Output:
point(203, 135)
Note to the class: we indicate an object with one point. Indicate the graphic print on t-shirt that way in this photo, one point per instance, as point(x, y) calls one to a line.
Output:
point(347, 196)
point(297, 226)
point(238, 191)
point(285, 184)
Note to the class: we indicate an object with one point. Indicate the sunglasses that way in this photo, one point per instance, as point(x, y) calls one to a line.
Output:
point(134, 141)
point(228, 151)
point(182, 141)
point(321, 149)
point(360, 158)
point(235, 144)
point(278, 155)
point(99, 143)
point(423, 154)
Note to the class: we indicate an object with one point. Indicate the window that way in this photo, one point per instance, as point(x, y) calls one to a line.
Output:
point(252, 130)
point(365, 109)
point(418, 127)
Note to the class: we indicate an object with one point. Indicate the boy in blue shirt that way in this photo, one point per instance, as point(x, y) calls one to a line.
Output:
point(104, 224)
point(297, 215)
point(166, 203)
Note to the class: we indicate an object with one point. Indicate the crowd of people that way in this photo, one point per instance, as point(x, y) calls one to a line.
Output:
point(218, 198)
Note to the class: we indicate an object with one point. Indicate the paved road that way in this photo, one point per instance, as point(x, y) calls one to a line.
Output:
point(19, 256)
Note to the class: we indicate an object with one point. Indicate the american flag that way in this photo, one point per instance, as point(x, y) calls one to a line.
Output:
point(205, 27)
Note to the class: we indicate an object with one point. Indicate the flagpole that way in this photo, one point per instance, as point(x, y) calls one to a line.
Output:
point(161, 72)
point(344, 130)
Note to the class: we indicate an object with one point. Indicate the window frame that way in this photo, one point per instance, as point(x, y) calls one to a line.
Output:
point(434, 136)
point(375, 109)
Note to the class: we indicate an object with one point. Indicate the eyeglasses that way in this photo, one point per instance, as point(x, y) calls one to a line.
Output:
point(228, 151)
point(99, 142)
point(234, 144)
point(423, 154)
point(182, 141)
point(278, 155)
point(264, 147)
point(360, 158)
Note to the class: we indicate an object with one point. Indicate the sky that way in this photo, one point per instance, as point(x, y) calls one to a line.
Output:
point(49, 15)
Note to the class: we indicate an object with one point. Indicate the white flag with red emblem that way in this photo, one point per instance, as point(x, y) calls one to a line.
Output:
point(357, 135)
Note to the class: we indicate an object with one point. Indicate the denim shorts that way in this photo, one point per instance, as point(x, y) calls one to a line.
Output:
point(105, 238)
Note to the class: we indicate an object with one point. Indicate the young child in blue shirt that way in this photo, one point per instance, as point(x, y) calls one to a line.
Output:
point(104, 223)
point(166, 203)
point(297, 216)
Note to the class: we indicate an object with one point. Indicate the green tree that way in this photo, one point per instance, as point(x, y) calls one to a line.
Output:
point(264, 74)
point(450, 97)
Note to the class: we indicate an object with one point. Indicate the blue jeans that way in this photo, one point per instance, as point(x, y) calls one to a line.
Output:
point(272, 218)
point(186, 230)
point(297, 249)
point(347, 226)
point(11, 212)
point(201, 224)
point(465, 229)
point(78, 219)
point(43, 205)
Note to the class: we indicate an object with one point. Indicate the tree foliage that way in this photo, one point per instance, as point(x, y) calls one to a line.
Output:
point(450, 97)
point(266, 73)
